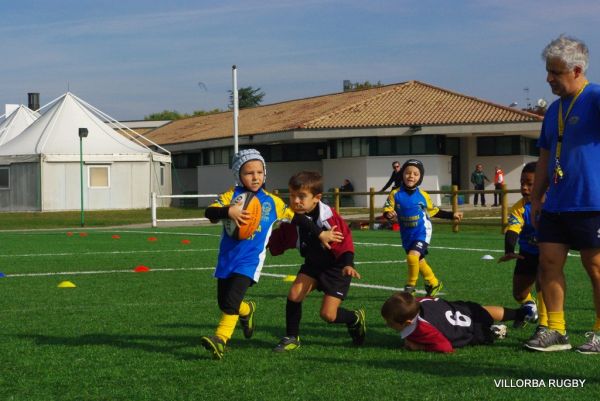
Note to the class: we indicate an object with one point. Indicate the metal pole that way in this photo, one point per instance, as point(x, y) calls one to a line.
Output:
point(235, 108)
point(83, 133)
point(153, 206)
point(81, 176)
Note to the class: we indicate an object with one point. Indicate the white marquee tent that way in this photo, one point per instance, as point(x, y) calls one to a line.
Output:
point(40, 168)
point(16, 122)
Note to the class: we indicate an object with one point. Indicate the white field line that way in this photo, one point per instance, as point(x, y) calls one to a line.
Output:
point(25, 255)
point(107, 231)
point(449, 248)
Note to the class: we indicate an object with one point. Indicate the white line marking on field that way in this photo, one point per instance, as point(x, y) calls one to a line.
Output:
point(450, 248)
point(107, 252)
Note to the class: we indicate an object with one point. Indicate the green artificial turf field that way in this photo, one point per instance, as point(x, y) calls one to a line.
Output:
point(121, 335)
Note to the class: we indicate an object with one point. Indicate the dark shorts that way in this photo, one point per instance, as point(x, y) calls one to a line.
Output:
point(231, 292)
point(579, 230)
point(330, 280)
point(419, 246)
point(527, 266)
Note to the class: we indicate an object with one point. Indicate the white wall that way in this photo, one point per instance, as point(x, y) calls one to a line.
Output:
point(129, 187)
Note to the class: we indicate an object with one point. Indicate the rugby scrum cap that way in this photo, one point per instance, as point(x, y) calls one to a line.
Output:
point(244, 156)
point(415, 163)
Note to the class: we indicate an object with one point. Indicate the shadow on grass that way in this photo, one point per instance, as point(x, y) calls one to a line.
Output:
point(147, 343)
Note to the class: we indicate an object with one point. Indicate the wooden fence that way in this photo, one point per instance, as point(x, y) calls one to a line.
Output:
point(453, 194)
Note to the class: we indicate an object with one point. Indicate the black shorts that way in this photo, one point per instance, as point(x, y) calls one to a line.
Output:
point(231, 292)
point(527, 266)
point(419, 246)
point(330, 280)
point(579, 230)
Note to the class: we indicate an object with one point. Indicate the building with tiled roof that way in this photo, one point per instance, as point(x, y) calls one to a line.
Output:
point(356, 135)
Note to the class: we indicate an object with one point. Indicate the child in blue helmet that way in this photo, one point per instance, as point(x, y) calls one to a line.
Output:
point(413, 208)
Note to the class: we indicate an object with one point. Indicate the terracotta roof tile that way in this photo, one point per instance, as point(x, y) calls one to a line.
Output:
point(404, 104)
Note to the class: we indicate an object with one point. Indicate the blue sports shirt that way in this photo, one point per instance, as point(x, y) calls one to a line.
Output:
point(247, 256)
point(579, 189)
point(414, 209)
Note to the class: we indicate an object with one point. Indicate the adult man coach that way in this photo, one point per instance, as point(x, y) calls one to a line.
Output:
point(568, 170)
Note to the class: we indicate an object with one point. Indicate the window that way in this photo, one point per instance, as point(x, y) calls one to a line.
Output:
point(4, 178)
point(352, 147)
point(502, 146)
point(162, 175)
point(98, 177)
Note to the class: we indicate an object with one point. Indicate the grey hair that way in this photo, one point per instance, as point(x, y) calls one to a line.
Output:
point(572, 51)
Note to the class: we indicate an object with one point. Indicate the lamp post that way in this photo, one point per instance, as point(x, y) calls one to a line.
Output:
point(83, 133)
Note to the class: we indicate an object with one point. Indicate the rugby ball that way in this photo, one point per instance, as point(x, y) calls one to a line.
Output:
point(250, 203)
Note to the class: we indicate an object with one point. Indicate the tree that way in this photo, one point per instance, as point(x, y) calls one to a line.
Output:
point(247, 97)
point(174, 115)
point(164, 115)
point(355, 86)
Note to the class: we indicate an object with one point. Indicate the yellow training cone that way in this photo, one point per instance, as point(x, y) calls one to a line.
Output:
point(66, 284)
point(289, 278)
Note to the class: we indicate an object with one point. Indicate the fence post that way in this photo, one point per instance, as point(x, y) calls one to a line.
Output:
point(336, 199)
point(371, 208)
point(153, 207)
point(504, 203)
point(454, 206)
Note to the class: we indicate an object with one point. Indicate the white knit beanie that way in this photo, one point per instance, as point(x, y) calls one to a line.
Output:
point(242, 157)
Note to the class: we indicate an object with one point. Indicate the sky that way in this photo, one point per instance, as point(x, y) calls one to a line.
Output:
point(133, 58)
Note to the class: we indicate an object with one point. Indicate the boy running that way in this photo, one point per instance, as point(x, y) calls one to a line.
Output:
point(326, 270)
point(413, 208)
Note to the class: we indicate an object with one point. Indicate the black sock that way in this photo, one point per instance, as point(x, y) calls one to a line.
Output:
point(345, 316)
point(513, 314)
point(293, 315)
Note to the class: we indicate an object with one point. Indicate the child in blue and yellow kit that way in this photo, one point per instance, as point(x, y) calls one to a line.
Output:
point(413, 209)
point(521, 230)
point(240, 262)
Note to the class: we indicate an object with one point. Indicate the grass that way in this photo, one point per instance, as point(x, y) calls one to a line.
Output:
point(135, 336)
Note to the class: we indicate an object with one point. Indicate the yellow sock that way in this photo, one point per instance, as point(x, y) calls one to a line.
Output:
point(542, 312)
point(244, 309)
point(413, 269)
point(427, 273)
point(226, 326)
point(528, 298)
point(556, 321)
point(597, 324)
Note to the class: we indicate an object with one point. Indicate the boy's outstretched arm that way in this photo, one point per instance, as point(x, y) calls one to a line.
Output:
point(510, 241)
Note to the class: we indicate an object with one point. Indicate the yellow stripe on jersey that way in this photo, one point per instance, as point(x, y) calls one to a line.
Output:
point(516, 219)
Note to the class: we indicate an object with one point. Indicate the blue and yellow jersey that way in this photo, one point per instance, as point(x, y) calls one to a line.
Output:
point(247, 256)
point(519, 221)
point(414, 209)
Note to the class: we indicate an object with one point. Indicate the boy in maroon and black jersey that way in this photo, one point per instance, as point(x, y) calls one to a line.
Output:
point(436, 325)
point(327, 269)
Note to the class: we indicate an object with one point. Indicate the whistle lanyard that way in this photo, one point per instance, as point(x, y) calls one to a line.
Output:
point(558, 172)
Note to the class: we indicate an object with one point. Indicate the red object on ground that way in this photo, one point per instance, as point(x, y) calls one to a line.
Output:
point(152, 239)
point(69, 234)
point(396, 227)
point(185, 241)
point(83, 234)
point(116, 236)
point(141, 269)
